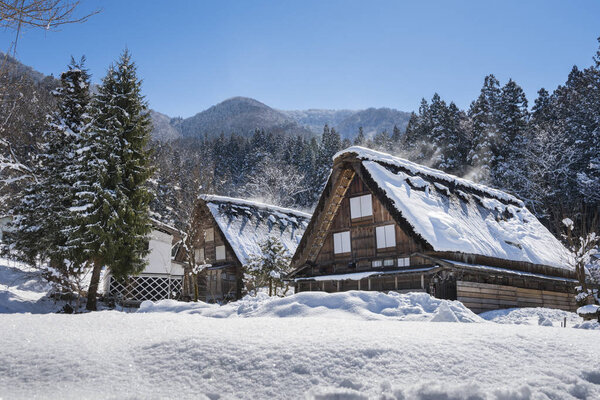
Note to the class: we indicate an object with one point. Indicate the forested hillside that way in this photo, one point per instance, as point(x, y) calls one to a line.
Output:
point(547, 154)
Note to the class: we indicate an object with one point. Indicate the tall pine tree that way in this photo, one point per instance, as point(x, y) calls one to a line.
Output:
point(110, 222)
point(37, 229)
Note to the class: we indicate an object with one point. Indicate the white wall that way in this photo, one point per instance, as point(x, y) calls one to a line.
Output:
point(159, 259)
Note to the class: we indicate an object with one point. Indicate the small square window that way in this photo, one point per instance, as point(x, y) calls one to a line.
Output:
point(404, 262)
point(386, 236)
point(220, 253)
point(361, 206)
point(199, 255)
point(388, 263)
point(209, 235)
point(377, 264)
point(341, 242)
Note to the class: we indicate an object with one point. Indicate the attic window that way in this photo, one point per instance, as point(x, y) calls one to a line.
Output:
point(220, 253)
point(341, 242)
point(209, 235)
point(386, 236)
point(199, 254)
point(361, 206)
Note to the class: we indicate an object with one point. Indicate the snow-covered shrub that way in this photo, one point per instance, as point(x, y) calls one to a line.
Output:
point(268, 269)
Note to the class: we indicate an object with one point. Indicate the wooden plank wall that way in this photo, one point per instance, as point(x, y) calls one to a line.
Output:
point(481, 297)
point(362, 233)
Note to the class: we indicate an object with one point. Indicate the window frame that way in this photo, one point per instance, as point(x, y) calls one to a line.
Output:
point(389, 236)
point(199, 254)
point(403, 262)
point(217, 253)
point(341, 236)
point(206, 235)
point(362, 205)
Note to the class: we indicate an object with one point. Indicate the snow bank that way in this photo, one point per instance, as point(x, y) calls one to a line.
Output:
point(24, 289)
point(533, 316)
point(115, 355)
point(360, 305)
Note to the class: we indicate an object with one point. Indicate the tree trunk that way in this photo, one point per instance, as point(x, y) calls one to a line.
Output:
point(93, 289)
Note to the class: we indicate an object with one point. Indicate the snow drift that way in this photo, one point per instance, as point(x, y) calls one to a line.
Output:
point(344, 305)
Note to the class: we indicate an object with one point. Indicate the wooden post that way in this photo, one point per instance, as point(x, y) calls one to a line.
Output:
point(338, 286)
point(323, 286)
point(310, 286)
point(369, 279)
point(396, 282)
point(359, 284)
point(422, 281)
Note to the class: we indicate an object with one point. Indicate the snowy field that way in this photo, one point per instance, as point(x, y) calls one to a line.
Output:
point(355, 345)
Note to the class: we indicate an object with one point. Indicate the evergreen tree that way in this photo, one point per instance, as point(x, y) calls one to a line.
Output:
point(110, 222)
point(396, 139)
point(39, 217)
point(360, 139)
point(510, 169)
point(483, 114)
point(268, 269)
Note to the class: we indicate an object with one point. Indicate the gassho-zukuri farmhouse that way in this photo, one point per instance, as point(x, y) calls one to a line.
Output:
point(384, 223)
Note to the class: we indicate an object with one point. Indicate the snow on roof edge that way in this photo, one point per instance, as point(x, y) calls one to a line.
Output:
point(364, 153)
point(213, 198)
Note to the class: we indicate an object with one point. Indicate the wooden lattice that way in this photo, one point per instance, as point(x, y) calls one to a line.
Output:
point(141, 288)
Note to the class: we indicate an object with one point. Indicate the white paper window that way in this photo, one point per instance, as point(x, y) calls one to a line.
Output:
point(377, 264)
point(386, 236)
point(199, 256)
point(361, 206)
point(388, 263)
point(404, 262)
point(341, 242)
point(220, 250)
point(209, 235)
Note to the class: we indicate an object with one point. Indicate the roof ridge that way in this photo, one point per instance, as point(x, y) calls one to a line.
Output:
point(213, 198)
point(364, 153)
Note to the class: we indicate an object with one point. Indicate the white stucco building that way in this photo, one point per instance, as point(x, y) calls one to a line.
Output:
point(161, 279)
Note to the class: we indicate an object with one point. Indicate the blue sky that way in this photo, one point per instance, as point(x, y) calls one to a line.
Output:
point(324, 54)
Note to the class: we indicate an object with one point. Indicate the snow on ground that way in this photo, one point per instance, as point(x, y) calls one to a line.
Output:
point(352, 345)
point(532, 316)
point(344, 305)
point(111, 354)
point(23, 289)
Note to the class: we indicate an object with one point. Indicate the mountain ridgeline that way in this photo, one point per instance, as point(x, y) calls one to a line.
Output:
point(242, 116)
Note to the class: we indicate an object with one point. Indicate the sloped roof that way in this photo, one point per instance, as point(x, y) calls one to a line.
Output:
point(456, 215)
point(247, 224)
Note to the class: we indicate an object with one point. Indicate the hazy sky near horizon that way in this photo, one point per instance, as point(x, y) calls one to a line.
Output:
point(323, 54)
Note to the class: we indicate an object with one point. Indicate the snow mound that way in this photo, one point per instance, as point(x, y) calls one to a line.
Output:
point(532, 316)
point(23, 290)
point(346, 305)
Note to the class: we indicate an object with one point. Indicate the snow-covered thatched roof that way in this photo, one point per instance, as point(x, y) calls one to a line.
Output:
point(456, 215)
point(247, 224)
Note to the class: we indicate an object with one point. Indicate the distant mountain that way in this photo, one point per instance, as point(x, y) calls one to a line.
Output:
point(314, 120)
point(242, 115)
point(373, 120)
point(165, 127)
point(239, 115)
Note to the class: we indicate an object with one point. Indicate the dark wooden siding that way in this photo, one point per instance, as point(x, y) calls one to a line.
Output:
point(362, 234)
